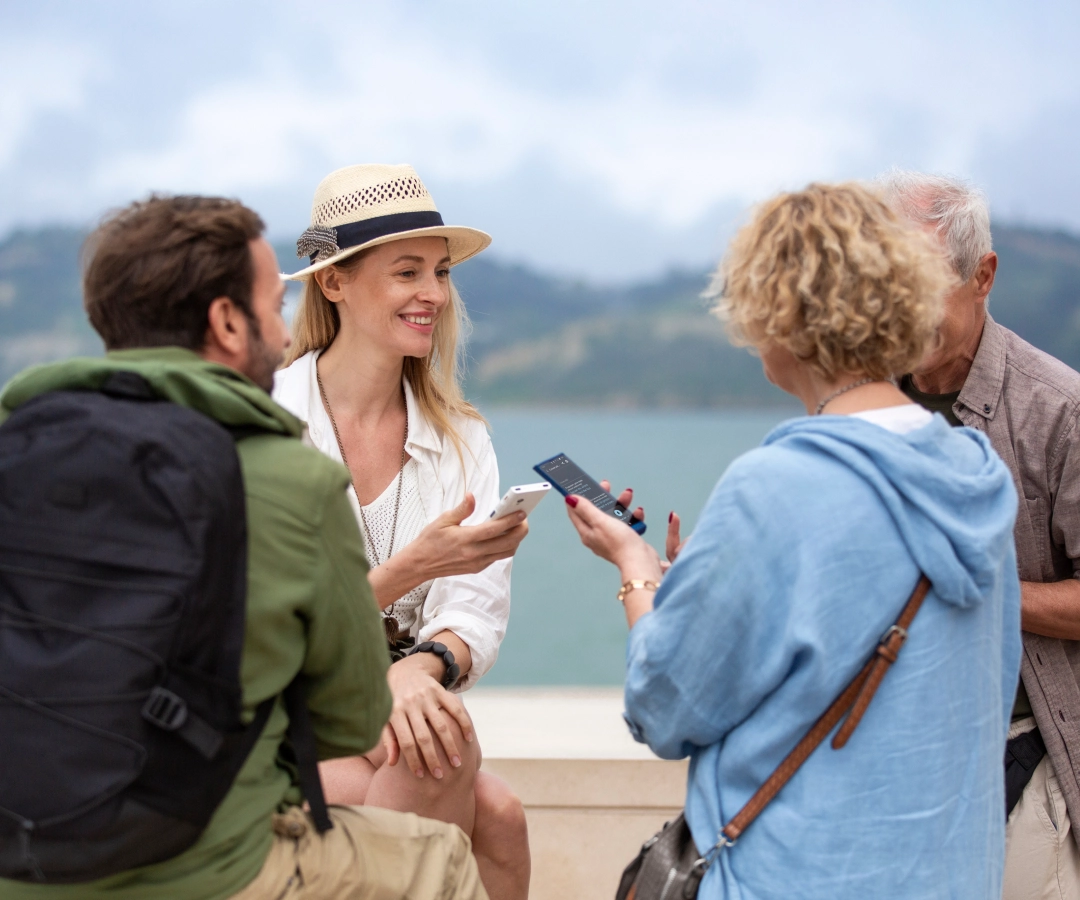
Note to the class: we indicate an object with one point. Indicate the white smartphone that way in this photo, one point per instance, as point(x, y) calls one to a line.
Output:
point(521, 498)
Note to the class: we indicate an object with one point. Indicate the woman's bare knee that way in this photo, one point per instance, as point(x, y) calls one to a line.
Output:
point(500, 811)
point(450, 798)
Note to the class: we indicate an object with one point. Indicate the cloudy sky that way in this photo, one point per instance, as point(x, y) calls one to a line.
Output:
point(607, 140)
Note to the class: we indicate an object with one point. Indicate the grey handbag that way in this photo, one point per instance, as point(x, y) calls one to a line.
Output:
point(669, 866)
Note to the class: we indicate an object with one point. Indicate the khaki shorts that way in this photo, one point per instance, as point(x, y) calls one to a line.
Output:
point(1041, 857)
point(369, 854)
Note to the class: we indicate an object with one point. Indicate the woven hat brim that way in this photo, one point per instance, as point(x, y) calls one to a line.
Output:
point(462, 242)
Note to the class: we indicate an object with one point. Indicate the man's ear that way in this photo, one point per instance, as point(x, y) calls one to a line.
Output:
point(329, 279)
point(984, 276)
point(226, 332)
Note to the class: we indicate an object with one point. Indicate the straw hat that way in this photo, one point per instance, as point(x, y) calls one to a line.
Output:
point(362, 206)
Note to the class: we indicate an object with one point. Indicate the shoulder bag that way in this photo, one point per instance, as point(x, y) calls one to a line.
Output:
point(669, 866)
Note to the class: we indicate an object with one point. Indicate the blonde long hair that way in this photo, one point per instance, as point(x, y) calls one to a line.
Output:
point(435, 379)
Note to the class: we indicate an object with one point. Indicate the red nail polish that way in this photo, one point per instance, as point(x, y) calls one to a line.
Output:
point(571, 501)
point(670, 516)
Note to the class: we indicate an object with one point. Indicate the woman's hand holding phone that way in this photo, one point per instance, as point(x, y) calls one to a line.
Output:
point(610, 539)
point(446, 547)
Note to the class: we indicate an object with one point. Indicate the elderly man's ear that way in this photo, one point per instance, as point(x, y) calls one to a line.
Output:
point(985, 272)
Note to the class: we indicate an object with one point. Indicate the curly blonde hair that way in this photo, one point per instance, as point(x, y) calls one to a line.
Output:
point(833, 276)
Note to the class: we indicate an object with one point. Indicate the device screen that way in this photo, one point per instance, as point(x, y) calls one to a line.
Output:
point(570, 479)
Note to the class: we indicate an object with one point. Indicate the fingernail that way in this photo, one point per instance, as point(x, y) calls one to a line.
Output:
point(571, 501)
point(455, 761)
point(419, 773)
point(437, 773)
point(670, 516)
point(469, 737)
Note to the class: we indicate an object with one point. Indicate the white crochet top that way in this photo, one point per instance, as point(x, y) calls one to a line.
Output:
point(380, 517)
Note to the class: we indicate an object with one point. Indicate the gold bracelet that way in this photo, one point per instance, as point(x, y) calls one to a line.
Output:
point(636, 584)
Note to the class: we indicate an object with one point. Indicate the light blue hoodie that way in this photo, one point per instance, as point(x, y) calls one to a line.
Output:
point(804, 555)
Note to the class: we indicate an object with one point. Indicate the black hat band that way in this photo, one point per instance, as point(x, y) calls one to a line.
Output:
point(331, 241)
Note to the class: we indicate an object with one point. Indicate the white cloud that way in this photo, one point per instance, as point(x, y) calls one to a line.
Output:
point(38, 77)
point(663, 114)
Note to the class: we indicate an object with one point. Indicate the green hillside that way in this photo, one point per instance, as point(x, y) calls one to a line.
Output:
point(539, 339)
point(654, 344)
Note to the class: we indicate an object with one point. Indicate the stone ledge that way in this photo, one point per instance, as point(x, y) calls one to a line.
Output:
point(600, 784)
point(592, 794)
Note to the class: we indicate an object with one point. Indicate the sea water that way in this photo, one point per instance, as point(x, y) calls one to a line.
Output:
point(566, 626)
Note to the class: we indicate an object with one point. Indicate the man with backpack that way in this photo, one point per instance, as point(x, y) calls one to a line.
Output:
point(185, 621)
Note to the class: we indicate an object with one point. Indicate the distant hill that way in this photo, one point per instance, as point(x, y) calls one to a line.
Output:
point(41, 314)
point(539, 339)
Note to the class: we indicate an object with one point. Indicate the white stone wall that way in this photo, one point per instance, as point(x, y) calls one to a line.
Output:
point(592, 794)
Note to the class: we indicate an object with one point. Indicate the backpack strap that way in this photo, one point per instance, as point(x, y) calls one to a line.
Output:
point(855, 697)
point(302, 738)
point(126, 385)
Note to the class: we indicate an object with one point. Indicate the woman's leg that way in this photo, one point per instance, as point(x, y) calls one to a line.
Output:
point(501, 840)
point(449, 799)
point(346, 781)
point(482, 805)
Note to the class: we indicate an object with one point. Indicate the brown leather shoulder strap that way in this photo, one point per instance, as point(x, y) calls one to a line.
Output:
point(855, 697)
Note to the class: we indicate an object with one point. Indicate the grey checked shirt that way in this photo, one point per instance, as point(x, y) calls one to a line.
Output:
point(1027, 403)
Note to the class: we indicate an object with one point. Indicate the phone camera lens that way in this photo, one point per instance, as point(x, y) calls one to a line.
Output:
point(618, 512)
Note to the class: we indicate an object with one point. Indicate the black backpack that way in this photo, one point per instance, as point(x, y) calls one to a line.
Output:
point(123, 581)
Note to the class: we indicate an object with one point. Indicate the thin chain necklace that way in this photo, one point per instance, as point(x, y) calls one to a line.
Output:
point(843, 390)
point(389, 622)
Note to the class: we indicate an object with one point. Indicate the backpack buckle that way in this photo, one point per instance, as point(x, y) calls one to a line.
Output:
point(165, 709)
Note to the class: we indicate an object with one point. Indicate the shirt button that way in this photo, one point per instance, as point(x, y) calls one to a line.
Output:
point(986, 407)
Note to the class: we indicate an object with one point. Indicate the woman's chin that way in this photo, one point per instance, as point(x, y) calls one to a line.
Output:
point(415, 348)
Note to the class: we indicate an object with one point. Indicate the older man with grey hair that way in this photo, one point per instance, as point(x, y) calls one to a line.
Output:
point(986, 377)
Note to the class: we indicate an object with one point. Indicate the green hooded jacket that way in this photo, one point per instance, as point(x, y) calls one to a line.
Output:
point(309, 608)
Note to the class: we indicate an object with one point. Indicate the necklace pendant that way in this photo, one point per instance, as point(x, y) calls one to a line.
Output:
point(393, 630)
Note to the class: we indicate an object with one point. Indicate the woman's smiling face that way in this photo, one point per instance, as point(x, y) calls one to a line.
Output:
point(394, 297)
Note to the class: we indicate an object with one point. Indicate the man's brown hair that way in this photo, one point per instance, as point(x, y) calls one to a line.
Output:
point(152, 269)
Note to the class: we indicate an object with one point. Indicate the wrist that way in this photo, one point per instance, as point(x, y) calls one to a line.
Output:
point(645, 585)
point(434, 655)
point(640, 566)
point(394, 578)
point(422, 664)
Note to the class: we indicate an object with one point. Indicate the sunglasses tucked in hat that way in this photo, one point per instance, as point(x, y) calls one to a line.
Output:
point(362, 206)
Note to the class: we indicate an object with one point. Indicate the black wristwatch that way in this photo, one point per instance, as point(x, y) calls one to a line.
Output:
point(453, 670)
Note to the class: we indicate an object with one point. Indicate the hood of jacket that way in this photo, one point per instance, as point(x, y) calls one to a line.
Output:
point(949, 493)
point(174, 374)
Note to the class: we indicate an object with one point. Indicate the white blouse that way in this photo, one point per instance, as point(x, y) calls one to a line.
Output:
point(386, 521)
point(475, 607)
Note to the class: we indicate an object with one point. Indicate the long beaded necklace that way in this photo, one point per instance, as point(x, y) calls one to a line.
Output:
point(390, 623)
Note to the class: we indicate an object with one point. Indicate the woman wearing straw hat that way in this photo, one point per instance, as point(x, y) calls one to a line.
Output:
point(372, 370)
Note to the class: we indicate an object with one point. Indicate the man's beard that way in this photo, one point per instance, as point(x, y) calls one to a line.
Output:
point(262, 361)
